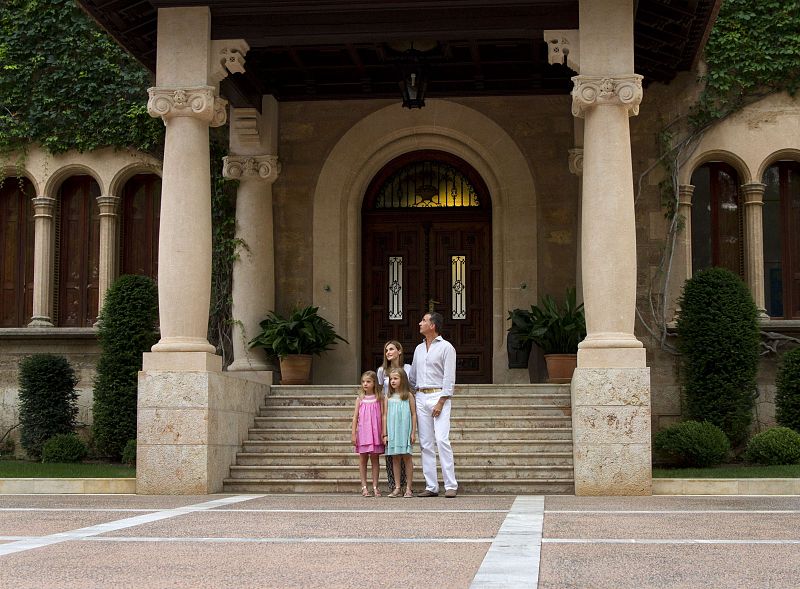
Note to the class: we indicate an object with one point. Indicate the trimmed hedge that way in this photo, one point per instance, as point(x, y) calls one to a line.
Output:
point(64, 448)
point(127, 329)
point(692, 444)
point(777, 445)
point(48, 401)
point(129, 453)
point(719, 345)
point(787, 396)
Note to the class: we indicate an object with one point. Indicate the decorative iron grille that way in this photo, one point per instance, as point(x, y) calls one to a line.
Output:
point(427, 184)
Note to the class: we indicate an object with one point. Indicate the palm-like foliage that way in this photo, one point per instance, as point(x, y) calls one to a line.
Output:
point(554, 328)
point(303, 332)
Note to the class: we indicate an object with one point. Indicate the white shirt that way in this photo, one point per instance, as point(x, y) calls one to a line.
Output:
point(435, 367)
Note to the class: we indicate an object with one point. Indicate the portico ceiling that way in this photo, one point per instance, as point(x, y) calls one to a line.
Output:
point(334, 49)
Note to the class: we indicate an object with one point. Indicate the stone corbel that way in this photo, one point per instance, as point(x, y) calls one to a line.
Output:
point(200, 102)
point(591, 91)
point(227, 56)
point(262, 167)
point(576, 161)
point(564, 48)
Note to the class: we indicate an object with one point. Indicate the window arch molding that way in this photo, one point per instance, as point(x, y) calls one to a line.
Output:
point(54, 182)
point(716, 155)
point(775, 157)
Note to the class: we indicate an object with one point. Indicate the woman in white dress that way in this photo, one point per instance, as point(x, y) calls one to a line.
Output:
point(392, 358)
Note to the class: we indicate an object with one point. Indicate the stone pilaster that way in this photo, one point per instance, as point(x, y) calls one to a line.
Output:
point(576, 168)
point(109, 228)
point(254, 269)
point(43, 259)
point(753, 197)
point(682, 254)
point(184, 251)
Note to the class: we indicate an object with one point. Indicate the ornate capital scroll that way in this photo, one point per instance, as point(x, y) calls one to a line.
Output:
point(262, 167)
point(576, 161)
point(108, 205)
point(753, 193)
point(43, 206)
point(591, 91)
point(198, 101)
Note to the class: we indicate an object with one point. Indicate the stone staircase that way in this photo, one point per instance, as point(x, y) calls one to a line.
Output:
point(506, 439)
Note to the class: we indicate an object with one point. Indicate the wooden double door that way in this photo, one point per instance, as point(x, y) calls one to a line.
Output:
point(415, 260)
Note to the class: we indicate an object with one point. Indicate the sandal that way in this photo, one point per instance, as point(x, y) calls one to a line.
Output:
point(377, 491)
point(408, 494)
point(364, 492)
point(396, 493)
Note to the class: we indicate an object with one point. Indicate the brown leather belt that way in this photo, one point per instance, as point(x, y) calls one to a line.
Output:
point(429, 391)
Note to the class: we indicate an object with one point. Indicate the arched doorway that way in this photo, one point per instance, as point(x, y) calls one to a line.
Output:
point(426, 242)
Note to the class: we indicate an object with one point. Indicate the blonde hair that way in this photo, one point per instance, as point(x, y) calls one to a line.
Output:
point(405, 389)
point(399, 347)
point(374, 377)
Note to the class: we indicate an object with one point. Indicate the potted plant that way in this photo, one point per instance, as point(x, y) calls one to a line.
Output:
point(558, 330)
point(518, 345)
point(294, 340)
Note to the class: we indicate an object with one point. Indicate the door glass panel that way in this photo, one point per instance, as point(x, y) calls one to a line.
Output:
point(459, 282)
point(773, 246)
point(701, 220)
point(395, 288)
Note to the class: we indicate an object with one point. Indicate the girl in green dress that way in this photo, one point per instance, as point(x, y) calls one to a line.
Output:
point(400, 428)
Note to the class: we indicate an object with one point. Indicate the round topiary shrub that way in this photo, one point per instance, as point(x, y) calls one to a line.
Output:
point(787, 396)
point(719, 344)
point(64, 448)
point(129, 453)
point(127, 329)
point(48, 401)
point(692, 443)
point(777, 445)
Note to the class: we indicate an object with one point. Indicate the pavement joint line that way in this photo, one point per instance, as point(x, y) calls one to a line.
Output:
point(299, 540)
point(513, 558)
point(660, 541)
point(113, 526)
point(673, 511)
point(278, 510)
point(82, 509)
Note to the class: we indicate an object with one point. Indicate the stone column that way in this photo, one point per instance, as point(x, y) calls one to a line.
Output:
point(576, 167)
point(681, 269)
point(184, 247)
point(753, 196)
point(109, 228)
point(611, 386)
point(43, 260)
point(254, 269)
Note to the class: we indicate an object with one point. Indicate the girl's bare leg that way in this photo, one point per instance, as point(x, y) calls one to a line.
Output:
point(376, 471)
point(396, 461)
point(362, 467)
point(409, 464)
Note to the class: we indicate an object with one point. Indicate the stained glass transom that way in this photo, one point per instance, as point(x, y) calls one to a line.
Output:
point(427, 184)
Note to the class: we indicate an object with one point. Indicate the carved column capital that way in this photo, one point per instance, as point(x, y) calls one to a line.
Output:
point(576, 161)
point(685, 193)
point(260, 167)
point(43, 206)
point(591, 91)
point(200, 102)
point(753, 193)
point(108, 205)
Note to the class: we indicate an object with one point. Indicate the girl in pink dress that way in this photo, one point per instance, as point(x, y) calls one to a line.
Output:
point(367, 429)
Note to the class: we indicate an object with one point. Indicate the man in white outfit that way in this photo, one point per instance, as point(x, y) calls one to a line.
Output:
point(433, 372)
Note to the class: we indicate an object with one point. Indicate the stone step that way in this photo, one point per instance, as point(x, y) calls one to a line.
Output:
point(456, 422)
point(351, 459)
point(346, 411)
point(289, 472)
point(484, 398)
point(456, 433)
point(510, 446)
point(353, 486)
point(466, 389)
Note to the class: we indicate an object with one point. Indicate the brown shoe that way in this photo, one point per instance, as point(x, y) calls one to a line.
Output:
point(450, 493)
point(427, 493)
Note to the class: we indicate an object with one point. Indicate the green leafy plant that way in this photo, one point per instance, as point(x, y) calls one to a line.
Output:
point(777, 445)
point(129, 453)
point(127, 329)
point(692, 444)
point(556, 329)
point(304, 331)
point(48, 401)
point(719, 345)
point(64, 448)
point(787, 396)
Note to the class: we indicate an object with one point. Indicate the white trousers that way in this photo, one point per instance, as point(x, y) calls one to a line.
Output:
point(434, 434)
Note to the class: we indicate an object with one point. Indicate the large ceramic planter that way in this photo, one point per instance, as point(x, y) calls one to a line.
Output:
point(518, 352)
point(296, 369)
point(560, 367)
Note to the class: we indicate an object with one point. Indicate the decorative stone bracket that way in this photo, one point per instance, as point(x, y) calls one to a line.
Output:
point(591, 91)
point(564, 48)
point(227, 57)
point(576, 161)
point(200, 102)
point(263, 167)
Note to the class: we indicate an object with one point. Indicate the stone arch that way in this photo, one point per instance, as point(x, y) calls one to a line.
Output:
point(781, 154)
point(12, 171)
point(342, 183)
point(716, 155)
point(62, 173)
point(129, 171)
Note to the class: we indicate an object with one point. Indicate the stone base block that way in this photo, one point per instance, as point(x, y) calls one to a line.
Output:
point(181, 361)
point(611, 431)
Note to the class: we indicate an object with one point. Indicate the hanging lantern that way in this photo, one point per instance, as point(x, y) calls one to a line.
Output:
point(414, 79)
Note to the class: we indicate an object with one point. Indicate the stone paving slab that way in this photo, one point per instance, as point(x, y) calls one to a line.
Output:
point(556, 502)
point(146, 502)
point(15, 523)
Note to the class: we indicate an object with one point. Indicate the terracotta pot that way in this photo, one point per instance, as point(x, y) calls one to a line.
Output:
point(296, 369)
point(560, 367)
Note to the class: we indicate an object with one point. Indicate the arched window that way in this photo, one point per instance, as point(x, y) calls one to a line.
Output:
point(78, 252)
point(781, 223)
point(16, 263)
point(141, 205)
point(717, 219)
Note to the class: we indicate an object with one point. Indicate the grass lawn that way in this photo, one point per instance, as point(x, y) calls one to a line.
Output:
point(730, 471)
point(21, 469)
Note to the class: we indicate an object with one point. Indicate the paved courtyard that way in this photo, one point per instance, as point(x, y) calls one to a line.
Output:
point(348, 541)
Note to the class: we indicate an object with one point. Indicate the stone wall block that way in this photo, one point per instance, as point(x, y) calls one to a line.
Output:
point(173, 389)
point(618, 469)
point(172, 470)
point(609, 425)
point(173, 426)
point(611, 386)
